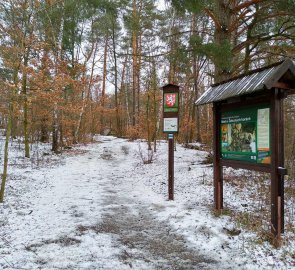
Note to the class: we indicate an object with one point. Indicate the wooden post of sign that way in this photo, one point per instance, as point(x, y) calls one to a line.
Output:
point(274, 161)
point(277, 165)
point(218, 173)
point(282, 170)
point(171, 167)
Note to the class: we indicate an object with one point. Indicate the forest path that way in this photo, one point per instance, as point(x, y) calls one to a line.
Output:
point(89, 213)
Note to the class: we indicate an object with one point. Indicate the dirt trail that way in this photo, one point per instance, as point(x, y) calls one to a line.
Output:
point(145, 238)
point(88, 214)
point(145, 241)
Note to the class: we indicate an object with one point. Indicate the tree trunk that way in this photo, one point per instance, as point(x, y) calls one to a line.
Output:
point(61, 132)
point(148, 122)
point(86, 96)
point(247, 59)
point(134, 62)
point(122, 94)
point(127, 95)
point(25, 107)
point(54, 147)
point(44, 132)
point(14, 118)
point(104, 77)
point(5, 165)
point(138, 74)
point(222, 38)
point(195, 110)
point(116, 84)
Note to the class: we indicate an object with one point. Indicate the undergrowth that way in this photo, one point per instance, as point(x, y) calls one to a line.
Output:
point(253, 212)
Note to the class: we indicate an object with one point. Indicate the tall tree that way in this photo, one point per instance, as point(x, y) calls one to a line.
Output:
point(238, 26)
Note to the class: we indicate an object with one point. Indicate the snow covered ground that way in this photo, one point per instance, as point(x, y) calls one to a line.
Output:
point(98, 206)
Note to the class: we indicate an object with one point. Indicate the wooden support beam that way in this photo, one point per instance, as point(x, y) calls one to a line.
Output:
point(247, 166)
point(218, 172)
point(281, 172)
point(283, 85)
point(277, 162)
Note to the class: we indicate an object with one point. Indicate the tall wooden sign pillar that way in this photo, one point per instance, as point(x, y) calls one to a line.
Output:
point(218, 171)
point(170, 126)
point(277, 162)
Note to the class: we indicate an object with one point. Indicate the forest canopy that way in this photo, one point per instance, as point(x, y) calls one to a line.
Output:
point(74, 68)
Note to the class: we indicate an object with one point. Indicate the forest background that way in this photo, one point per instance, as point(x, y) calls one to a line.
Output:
point(71, 69)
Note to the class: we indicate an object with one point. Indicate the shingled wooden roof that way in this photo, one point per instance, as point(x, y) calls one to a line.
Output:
point(257, 80)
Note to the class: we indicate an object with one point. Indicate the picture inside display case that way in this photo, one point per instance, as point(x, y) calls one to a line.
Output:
point(245, 135)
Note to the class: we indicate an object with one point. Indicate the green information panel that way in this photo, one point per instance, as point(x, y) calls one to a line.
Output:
point(245, 135)
point(171, 102)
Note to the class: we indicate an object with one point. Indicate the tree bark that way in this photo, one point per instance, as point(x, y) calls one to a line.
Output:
point(54, 147)
point(118, 128)
point(25, 106)
point(195, 109)
point(134, 62)
point(104, 77)
point(5, 164)
point(222, 36)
